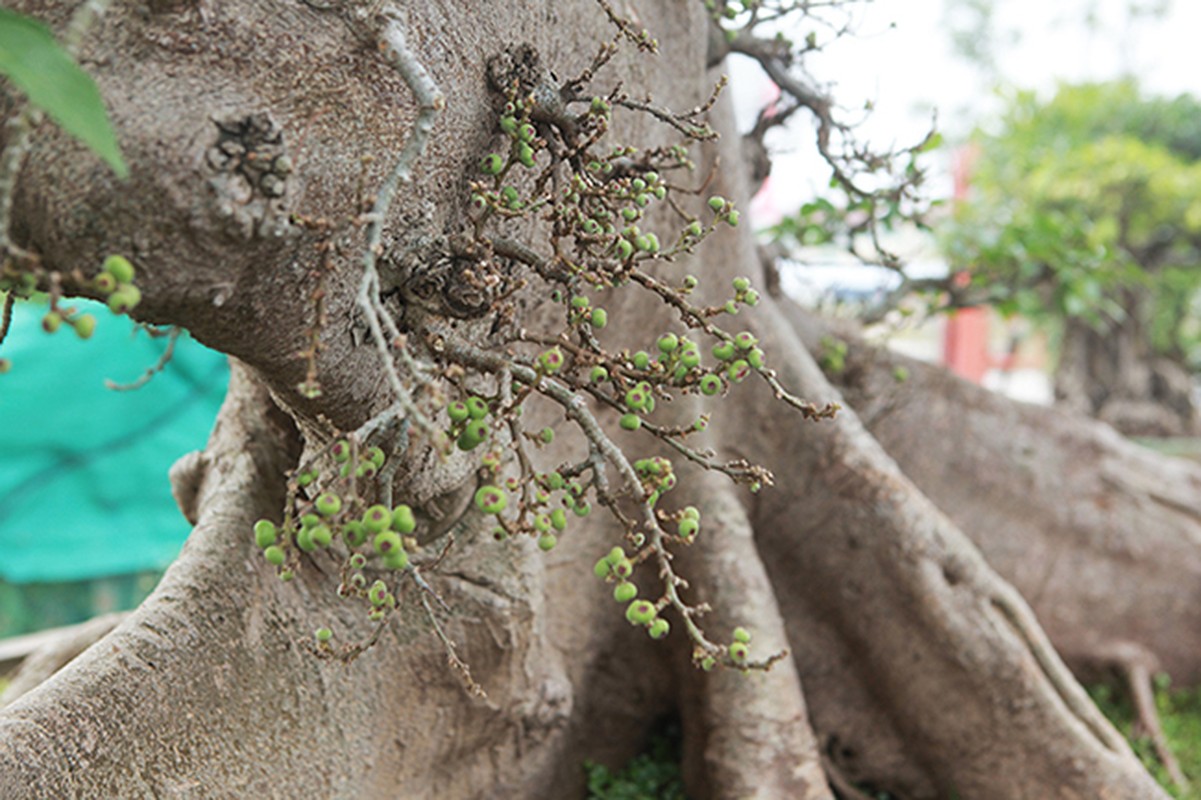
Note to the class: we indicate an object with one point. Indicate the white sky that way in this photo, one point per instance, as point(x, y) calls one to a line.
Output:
point(902, 61)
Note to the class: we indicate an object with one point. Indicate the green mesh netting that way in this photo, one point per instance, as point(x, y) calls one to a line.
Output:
point(83, 470)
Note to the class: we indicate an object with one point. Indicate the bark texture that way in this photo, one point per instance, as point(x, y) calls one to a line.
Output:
point(1099, 534)
point(914, 667)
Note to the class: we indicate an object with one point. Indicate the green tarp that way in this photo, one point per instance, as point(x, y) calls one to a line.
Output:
point(83, 469)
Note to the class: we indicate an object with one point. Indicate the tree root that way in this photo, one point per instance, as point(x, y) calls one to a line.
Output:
point(55, 653)
point(758, 742)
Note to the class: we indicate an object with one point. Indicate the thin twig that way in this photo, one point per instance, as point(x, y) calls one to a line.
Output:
point(152, 370)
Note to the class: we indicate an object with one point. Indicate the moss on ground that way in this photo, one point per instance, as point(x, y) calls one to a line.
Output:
point(1180, 715)
point(652, 775)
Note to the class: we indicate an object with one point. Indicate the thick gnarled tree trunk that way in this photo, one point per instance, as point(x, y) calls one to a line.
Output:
point(915, 668)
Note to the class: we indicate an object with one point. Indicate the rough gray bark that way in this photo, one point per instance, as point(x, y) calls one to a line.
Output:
point(915, 667)
point(1099, 534)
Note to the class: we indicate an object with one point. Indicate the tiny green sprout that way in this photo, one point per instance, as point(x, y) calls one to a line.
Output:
point(396, 559)
point(52, 321)
point(694, 229)
point(745, 340)
point(304, 540)
point(641, 359)
point(386, 542)
point(125, 299)
point(599, 106)
point(265, 533)
point(328, 504)
point(341, 451)
point(551, 360)
point(475, 432)
point(733, 217)
point(637, 397)
point(738, 371)
point(403, 521)
point(378, 593)
point(323, 635)
point(508, 123)
point(739, 652)
point(358, 561)
point(365, 469)
point(477, 407)
point(631, 422)
point(105, 283)
point(731, 307)
point(688, 528)
point(526, 132)
point(622, 568)
point(691, 282)
point(579, 302)
point(309, 520)
point(305, 478)
point(668, 342)
point(741, 634)
point(717, 203)
point(741, 284)
point(491, 499)
point(542, 523)
point(623, 592)
point(546, 435)
point(457, 411)
point(900, 374)
point(615, 555)
point(84, 325)
point(630, 214)
point(624, 249)
point(377, 518)
point(598, 374)
point(547, 541)
point(724, 351)
point(708, 663)
point(354, 533)
point(638, 184)
point(582, 508)
point(558, 519)
point(274, 555)
point(286, 575)
point(691, 512)
point(751, 298)
point(492, 164)
point(756, 358)
point(601, 568)
point(659, 628)
point(357, 580)
point(599, 319)
point(321, 535)
point(525, 155)
point(119, 267)
point(642, 200)
point(640, 612)
point(710, 385)
point(376, 456)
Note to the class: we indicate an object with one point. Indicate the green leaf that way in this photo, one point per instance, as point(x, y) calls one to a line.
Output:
point(32, 59)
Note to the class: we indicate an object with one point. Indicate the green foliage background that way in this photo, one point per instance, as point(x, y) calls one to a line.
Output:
point(1077, 198)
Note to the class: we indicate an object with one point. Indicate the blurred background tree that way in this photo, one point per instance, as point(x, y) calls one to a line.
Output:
point(1084, 213)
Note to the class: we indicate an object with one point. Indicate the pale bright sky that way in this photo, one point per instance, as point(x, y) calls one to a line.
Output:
point(909, 68)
